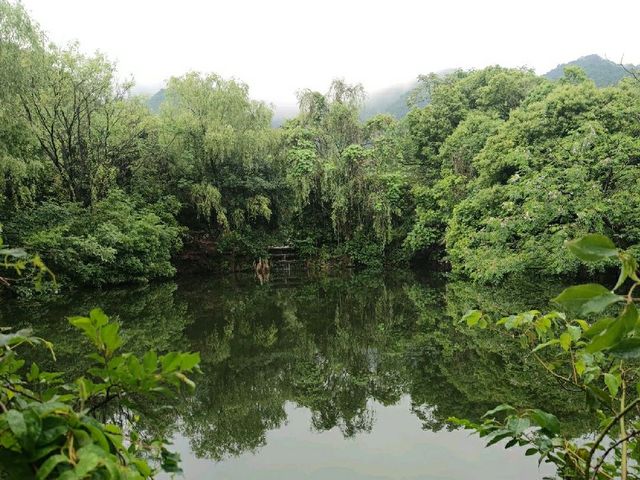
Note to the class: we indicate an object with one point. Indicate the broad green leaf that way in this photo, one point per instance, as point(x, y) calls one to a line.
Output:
point(565, 341)
point(16, 423)
point(81, 437)
point(547, 421)
point(511, 443)
point(598, 327)
point(599, 303)
point(170, 362)
point(518, 424)
point(90, 457)
point(34, 372)
point(574, 298)
point(143, 468)
point(599, 394)
point(110, 337)
point(539, 347)
point(615, 332)
point(627, 349)
point(84, 388)
point(472, 317)
point(9, 339)
point(150, 361)
point(49, 464)
point(13, 252)
point(592, 247)
point(583, 325)
point(542, 325)
point(628, 270)
point(500, 408)
point(84, 324)
point(135, 367)
point(607, 338)
point(612, 382)
point(42, 452)
point(499, 436)
point(629, 316)
point(98, 317)
point(51, 433)
point(189, 360)
point(98, 436)
point(26, 426)
point(588, 298)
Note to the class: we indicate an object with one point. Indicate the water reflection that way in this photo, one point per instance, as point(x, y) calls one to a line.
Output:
point(320, 365)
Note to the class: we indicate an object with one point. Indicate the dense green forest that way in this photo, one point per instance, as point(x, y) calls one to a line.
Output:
point(488, 174)
point(396, 100)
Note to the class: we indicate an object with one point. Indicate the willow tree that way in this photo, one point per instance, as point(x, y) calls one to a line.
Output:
point(219, 153)
point(344, 174)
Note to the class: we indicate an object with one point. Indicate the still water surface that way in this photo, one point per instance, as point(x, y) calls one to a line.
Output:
point(327, 378)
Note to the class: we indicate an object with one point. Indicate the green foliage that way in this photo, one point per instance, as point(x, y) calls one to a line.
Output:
point(347, 175)
point(489, 172)
point(465, 110)
point(220, 152)
point(603, 72)
point(118, 240)
point(436, 200)
point(559, 167)
point(597, 358)
point(48, 427)
point(21, 262)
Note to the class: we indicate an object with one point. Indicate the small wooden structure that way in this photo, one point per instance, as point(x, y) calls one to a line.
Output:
point(283, 258)
point(281, 267)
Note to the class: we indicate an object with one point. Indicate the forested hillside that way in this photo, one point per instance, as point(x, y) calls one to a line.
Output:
point(603, 72)
point(488, 178)
point(393, 100)
point(396, 100)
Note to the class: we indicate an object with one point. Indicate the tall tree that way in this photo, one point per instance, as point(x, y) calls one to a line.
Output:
point(79, 113)
point(220, 151)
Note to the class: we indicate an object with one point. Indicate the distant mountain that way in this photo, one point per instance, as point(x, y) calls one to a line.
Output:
point(393, 100)
point(602, 71)
point(156, 99)
point(282, 113)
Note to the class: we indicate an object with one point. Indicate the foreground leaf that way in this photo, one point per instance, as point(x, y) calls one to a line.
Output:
point(586, 299)
point(592, 247)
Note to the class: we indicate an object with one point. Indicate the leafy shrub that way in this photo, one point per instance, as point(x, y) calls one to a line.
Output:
point(598, 357)
point(48, 427)
point(117, 240)
point(559, 167)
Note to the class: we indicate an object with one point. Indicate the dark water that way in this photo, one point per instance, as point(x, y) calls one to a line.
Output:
point(334, 378)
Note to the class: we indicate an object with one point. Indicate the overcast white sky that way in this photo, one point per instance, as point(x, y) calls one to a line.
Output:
point(281, 46)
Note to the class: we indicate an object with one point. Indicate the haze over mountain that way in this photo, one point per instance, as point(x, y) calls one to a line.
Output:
point(393, 100)
point(602, 71)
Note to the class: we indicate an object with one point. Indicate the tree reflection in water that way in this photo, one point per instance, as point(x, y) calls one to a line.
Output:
point(332, 345)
